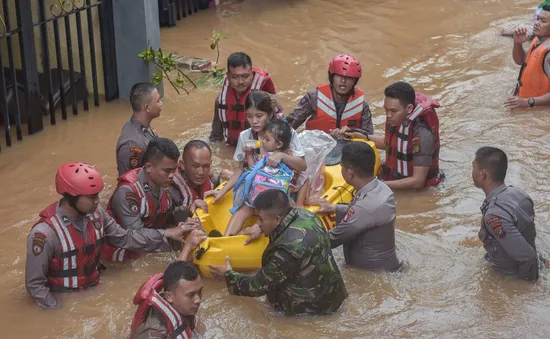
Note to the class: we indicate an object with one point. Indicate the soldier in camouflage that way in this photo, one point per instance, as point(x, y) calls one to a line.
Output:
point(299, 273)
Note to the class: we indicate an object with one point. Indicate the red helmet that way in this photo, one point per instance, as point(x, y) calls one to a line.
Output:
point(346, 65)
point(77, 178)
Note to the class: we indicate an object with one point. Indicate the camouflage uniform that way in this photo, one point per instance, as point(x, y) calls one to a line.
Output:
point(299, 274)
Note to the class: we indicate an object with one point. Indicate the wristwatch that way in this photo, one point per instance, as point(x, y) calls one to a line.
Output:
point(531, 102)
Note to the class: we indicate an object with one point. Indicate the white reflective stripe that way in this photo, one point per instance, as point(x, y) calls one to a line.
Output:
point(417, 110)
point(64, 246)
point(144, 210)
point(352, 112)
point(321, 105)
point(168, 311)
point(115, 254)
point(74, 279)
point(121, 253)
point(223, 99)
point(546, 44)
point(356, 102)
point(328, 101)
point(257, 81)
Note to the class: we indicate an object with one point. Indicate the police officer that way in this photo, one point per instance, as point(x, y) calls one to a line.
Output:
point(63, 246)
point(137, 132)
point(299, 273)
point(508, 223)
point(366, 227)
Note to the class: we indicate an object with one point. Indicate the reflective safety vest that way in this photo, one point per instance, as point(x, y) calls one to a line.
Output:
point(148, 296)
point(533, 80)
point(399, 143)
point(76, 266)
point(326, 117)
point(145, 205)
point(188, 194)
point(231, 111)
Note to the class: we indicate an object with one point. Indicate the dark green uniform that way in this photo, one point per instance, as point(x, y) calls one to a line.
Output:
point(298, 274)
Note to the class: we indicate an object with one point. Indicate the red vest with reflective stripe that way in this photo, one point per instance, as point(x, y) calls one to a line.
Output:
point(326, 117)
point(232, 113)
point(398, 140)
point(76, 267)
point(533, 81)
point(187, 194)
point(178, 326)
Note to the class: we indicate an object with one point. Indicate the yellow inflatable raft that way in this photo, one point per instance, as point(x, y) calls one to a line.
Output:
point(213, 250)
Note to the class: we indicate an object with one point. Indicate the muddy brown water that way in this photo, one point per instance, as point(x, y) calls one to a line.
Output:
point(450, 50)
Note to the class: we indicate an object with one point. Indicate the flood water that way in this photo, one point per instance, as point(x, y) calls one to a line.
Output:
point(447, 49)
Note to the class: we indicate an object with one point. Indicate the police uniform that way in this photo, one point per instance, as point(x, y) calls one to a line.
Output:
point(299, 273)
point(43, 244)
point(131, 145)
point(508, 232)
point(154, 326)
point(366, 228)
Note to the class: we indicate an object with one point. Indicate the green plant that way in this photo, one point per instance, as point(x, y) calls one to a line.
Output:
point(217, 74)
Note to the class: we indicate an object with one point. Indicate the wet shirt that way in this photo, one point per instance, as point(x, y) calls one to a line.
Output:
point(508, 232)
point(38, 259)
point(154, 326)
point(131, 145)
point(299, 273)
point(307, 107)
point(423, 142)
point(295, 145)
point(366, 228)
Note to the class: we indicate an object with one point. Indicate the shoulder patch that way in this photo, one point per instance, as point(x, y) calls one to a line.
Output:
point(348, 214)
point(134, 158)
point(38, 242)
point(136, 150)
point(416, 145)
point(498, 230)
point(133, 202)
point(492, 220)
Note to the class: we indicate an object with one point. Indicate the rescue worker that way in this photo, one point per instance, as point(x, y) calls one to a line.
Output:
point(299, 273)
point(63, 246)
point(337, 106)
point(533, 87)
point(193, 178)
point(229, 113)
point(171, 314)
point(142, 197)
point(508, 223)
point(366, 227)
point(510, 32)
point(137, 132)
point(411, 139)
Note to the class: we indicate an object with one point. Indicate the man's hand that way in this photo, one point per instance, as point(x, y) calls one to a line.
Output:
point(189, 224)
point(520, 36)
point(354, 135)
point(253, 231)
point(198, 203)
point(215, 193)
point(219, 271)
point(324, 206)
point(275, 159)
point(516, 102)
point(176, 233)
point(194, 239)
point(225, 175)
point(339, 133)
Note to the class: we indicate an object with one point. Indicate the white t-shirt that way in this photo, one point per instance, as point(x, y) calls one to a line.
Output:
point(295, 145)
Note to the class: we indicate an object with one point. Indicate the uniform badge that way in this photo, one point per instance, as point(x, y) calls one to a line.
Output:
point(498, 230)
point(97, 224)
point(134, 158)
point(38, 242)
point(492, 219)
point(416, 145)
point(349, 213)
point(133, 202)
point(146, 186)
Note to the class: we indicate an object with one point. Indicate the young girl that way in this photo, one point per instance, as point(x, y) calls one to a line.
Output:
point(259, 112)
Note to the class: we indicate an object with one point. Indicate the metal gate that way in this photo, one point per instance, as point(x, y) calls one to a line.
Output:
point(46, 32)
point(172, 10)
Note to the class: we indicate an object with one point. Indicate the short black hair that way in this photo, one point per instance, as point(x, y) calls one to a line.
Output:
point(140, 94)
point(273, 201)
point(239, 59)
point(493, 159)
point(360, 157)
point(281, 132)
point(159, 148)
point(401, 91)
point(546, 8)
point(176, 271)
point(198, 144)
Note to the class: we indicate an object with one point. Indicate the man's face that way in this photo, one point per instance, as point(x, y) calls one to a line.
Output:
point(342, 84)
point(395, 112)
point(240, 78)
point(186, 297)
point(268, 222)
point(542, 24)
point(154, 107)
point(162, 173)
point(196, 164)
point(87, 203)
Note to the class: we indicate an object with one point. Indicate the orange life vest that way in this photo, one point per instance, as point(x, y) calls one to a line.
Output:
point(326, 117)
point(148, 296)
point(153, 216)
point(399, 143)
point(533, 80)
point(188, 194)
point(76, 267)
point(231, 111)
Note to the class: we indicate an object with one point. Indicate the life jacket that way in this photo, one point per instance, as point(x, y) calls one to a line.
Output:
point(148, 296)
point(76, 267)
point(398, 140)
point(188, 194)
point(153, 216)
point(232, 113)
point(326, 117)
point(533, 81)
